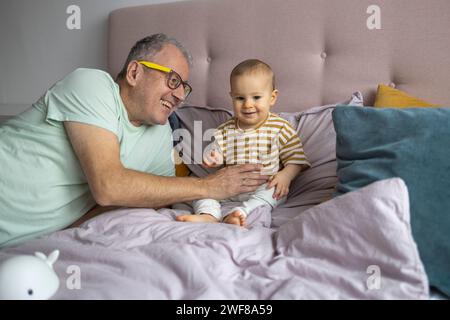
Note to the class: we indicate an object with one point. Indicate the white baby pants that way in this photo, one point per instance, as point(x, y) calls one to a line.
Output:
point(250, 201)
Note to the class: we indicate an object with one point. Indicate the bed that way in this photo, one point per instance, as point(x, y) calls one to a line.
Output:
point(342, 234)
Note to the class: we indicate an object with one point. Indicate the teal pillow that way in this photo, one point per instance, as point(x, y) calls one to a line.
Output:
point(413, 144)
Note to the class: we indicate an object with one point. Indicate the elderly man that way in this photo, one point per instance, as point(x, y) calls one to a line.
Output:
point(92, 141)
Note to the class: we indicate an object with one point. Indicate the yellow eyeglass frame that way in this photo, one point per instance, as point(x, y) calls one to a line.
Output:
point(156, 66)
point(151, 65)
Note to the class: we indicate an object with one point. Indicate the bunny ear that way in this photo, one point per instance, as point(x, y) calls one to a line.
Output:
point(40, 255)
point(52, 257)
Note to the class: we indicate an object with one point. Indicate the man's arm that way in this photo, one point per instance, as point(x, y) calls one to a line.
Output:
point(112, 184)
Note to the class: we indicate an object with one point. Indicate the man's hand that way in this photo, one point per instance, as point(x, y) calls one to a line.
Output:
point(234, 180)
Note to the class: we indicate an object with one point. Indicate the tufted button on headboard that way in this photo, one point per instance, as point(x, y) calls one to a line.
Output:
point(320, 50)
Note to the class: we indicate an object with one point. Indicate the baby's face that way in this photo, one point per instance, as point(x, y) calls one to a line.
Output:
point(252, 95)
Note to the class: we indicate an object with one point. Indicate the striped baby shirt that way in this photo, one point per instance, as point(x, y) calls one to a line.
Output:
point(274, 144)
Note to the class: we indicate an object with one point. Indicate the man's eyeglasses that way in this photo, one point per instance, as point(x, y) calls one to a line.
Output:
point(173, 79)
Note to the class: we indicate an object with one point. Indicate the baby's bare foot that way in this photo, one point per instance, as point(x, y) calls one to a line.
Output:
point(236, 218)
point(204, 217)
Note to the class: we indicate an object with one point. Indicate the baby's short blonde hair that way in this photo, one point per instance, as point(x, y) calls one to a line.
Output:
point(252, 66)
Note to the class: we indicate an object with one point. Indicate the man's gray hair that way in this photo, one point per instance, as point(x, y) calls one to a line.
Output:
point(149, 46)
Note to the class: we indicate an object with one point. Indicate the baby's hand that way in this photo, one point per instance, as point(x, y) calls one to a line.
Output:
point(281, 183)
point(212, 159)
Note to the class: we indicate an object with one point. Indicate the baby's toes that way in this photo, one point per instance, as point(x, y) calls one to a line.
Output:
point(242, 220)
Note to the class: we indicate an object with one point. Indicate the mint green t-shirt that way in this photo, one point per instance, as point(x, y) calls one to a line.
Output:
point(42, 186)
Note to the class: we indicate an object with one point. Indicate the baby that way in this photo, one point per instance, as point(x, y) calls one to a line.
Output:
point(253, 135)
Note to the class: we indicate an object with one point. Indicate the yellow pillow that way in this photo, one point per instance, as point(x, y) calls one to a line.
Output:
point(389, 97)
point(181, 170)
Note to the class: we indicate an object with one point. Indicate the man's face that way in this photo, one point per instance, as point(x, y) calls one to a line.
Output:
point(154, 99)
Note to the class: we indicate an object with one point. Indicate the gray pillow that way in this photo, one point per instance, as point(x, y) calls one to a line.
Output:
point(194, 122)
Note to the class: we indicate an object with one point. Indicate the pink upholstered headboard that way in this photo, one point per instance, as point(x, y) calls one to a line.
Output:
point(321, 50)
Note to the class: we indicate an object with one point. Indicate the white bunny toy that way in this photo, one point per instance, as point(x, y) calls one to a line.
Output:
point(27, 277)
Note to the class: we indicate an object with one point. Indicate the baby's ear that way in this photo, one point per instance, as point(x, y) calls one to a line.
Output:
point(274, 97)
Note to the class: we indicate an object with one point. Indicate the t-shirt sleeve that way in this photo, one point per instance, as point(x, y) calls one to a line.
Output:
point(291, 148)
point(85, 96)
